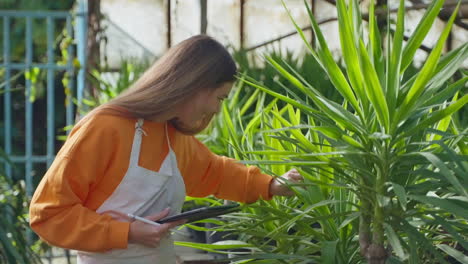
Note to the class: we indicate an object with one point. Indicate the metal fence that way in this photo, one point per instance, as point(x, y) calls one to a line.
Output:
point(21, 70)
point(75, 26)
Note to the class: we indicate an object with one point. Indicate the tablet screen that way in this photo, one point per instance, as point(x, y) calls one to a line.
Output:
point(201, 213)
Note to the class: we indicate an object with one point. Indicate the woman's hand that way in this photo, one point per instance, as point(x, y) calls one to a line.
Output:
point(277, 186)
point(149, 235)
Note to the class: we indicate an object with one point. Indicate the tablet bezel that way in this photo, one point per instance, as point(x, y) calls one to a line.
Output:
point(201, 213)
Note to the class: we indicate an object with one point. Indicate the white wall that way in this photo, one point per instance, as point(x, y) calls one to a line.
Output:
point(144, 25)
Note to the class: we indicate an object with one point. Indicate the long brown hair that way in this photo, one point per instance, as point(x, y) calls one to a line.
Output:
point(197, 63)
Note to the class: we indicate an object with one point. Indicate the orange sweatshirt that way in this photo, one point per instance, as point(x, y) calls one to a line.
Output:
point(94, 160)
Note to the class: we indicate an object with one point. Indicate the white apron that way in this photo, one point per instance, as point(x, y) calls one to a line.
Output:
point(143, 192)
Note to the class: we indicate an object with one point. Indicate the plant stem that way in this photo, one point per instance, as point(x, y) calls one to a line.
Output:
point(364, 224)
point(376, 253)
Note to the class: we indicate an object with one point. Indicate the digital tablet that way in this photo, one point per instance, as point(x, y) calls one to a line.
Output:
point(201, 213)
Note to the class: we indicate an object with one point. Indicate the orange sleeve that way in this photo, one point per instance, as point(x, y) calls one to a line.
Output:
point(57, 211)
point(208, 174)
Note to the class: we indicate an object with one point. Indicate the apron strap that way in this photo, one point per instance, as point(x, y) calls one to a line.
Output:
point(167, 137)
point(136, 146)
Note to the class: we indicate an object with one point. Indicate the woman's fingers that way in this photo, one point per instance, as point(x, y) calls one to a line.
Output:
point(151, 235)
point(159, 215)
point(294, 175)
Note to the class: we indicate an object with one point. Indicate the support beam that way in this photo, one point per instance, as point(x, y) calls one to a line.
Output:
point(242, 24)
point(169, 28)
point(81, 34)
point(203, 16)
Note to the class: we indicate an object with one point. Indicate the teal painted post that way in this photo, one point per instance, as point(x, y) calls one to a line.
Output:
point(50, 91)
point(71, 75)
point(81, 31)
point(7, 92)
point(28, 109)
point(34, 14)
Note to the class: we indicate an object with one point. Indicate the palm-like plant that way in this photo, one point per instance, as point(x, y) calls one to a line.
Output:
point(285, 229)
point(391, 147)
point(14, 247)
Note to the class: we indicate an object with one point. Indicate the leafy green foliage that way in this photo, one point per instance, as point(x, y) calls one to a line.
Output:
point(111, 84)
point(385, 168)
point(14, 247)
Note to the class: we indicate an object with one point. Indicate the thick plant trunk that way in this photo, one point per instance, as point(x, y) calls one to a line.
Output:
point(376, 254)
point(372, 215)
point(374, 251)
point(364, 227)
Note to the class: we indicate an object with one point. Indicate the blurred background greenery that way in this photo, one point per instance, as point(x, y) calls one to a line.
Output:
point(288, 111)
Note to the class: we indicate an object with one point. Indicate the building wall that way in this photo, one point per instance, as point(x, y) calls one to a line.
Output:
point(138, 28)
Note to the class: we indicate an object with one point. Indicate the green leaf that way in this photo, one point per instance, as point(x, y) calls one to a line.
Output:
point(401, 194)
point(9, 248)
point(249, 102)
point(215, 248)
point(445, 204)
point(425, 74)
point(281, 97)
point(393, 78)
point(325, 57)
point(444, 170)
point(447, 66)
point(454, 253)
point(349, 219)
point(420, 33)
point(446, 93)
point(272, 256)
point(394, 241)
point(418, 240)
point(287, 75)
point(300, 32)
point(437, 116)
point(329, 252)
point(375, 41)
point(374, 89)
point(449, 228)
point(348, 40)
point(344, 117)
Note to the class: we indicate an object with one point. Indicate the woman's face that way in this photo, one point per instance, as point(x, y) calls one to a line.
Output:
point(196, 113)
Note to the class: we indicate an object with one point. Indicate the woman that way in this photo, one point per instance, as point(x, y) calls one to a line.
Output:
point(137, 154)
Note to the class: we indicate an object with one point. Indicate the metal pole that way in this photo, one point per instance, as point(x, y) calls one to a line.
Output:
point(28, 109)
point(203, 16)
point(71, 76)
point(242, 24)
point(81, 30)
point(50, 91)
point(169, 29)
point(7, 94)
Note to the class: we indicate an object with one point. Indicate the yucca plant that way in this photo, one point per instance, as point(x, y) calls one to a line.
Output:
point(314, 227)
point(14, 247)
point(391, 151)
point(279, 230)
point(245, 102)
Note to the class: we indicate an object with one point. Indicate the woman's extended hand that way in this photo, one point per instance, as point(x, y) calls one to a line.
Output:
point(277, 186)
point(150, 235)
